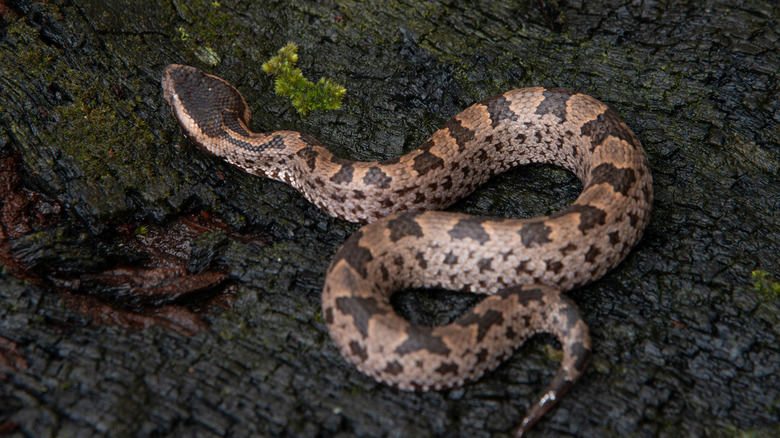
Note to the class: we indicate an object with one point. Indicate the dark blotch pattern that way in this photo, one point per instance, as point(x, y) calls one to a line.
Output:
point(329, 315)
point(361, 309)
point(276, 142)
point(554, 103)
point(401, 192)
point(425, 162)
point(309, 156)
point(498, 108)
point(554, 266)
point(592, 254)
point(633, 219)
point(403, 226)
point(470, 227)
point(535, 233)
point(621, 179)
point(590, 216)
point(376, 177)
point(568, 248)
point(447, 183)
point(581, 355)
point(483, 322)
point(522, 268)
point(461, 134)
point(447, 368)
point(358, 350)
point(354, 254)
point(485, 265)
point(525, 297)
point(394, 368)
point(231, 122)
point(421, 260)
point(344, 175)
point(607, 124)
point(422, 338)
point(450, 259)
point(572, 315)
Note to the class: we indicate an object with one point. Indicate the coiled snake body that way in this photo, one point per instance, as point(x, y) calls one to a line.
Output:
point(434, 249)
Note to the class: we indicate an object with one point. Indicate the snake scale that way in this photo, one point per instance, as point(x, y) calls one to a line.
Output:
point(522, 264)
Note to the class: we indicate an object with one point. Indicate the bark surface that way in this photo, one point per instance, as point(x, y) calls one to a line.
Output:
point(147, 289)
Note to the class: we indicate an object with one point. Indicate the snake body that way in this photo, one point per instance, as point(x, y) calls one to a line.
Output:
point(406, 245)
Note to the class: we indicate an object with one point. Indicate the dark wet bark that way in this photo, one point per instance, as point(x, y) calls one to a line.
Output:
point(103, 201)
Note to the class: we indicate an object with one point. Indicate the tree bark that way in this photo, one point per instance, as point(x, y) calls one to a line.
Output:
point(148, 289)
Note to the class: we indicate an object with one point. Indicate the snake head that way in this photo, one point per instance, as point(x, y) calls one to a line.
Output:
point(210, 111)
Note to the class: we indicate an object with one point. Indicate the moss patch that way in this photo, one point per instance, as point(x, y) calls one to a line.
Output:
point(97, 138)
point(767, 286)
point(304, 94)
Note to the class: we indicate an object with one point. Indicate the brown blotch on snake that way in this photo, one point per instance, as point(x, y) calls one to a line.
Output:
point(435, 249)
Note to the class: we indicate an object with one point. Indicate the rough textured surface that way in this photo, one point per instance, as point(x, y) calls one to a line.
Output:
point(683, 343)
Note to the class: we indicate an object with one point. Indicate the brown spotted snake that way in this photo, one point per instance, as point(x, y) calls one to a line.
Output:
point(522, 264)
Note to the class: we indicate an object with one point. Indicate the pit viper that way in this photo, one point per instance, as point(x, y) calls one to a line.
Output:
point(522, 265)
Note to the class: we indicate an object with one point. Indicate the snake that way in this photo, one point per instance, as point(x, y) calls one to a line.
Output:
point(522, 266)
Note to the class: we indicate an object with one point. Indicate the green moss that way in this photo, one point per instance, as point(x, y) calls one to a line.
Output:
point(105, 134)
point(290, 82)
point(94, 133)
point(202, 51)
point(766, 285)
point(212, 32)
point(735, 432)
point(553, 353)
